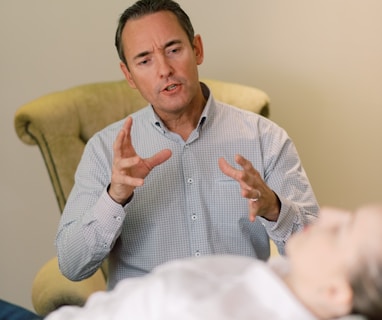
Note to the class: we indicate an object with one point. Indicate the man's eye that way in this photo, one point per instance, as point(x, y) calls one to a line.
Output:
point(173, 51)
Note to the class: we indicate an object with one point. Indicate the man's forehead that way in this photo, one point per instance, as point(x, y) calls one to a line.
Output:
point(157, 23)
point(157, 29)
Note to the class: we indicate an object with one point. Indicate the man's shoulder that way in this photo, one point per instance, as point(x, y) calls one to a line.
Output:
point(233, 114)
point(111, 130)
point(227, 109)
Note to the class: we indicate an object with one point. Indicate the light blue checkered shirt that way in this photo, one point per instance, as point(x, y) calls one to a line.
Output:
point(187, 206)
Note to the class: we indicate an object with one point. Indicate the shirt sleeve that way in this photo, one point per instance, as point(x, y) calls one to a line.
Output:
point(285, 175)
point(91, 221)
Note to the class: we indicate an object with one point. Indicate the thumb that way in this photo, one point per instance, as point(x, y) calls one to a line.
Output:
point(158, 158)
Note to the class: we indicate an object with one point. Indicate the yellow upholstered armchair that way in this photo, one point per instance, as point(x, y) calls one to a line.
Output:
point(60, 124)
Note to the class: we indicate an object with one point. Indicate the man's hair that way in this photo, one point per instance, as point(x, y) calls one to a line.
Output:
point(366, 282)
point(145, 7)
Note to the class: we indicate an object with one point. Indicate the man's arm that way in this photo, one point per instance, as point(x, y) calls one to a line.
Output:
point(281, 194)
point(93, 217)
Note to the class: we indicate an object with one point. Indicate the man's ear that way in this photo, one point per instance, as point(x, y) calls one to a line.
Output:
point(339, 297)
point(198, 49)
point(127, 74)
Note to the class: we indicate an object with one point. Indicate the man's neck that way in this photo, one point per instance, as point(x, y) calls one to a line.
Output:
point(183, 123)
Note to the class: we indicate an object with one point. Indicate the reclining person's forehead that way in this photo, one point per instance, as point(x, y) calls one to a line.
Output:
point(374, 211)
point(368, 223)
point(334, 216)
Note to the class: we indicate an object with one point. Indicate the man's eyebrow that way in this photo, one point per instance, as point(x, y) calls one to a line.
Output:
point(141, 55)
point(171, 43)
point(146, 53)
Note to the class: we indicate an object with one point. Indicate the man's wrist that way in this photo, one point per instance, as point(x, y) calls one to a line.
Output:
point(122, 202)
point(274, 214)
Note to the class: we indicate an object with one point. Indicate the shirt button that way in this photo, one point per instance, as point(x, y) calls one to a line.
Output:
point(118, 218)
point(194, 217)
point(190, 180)
point(197, 254)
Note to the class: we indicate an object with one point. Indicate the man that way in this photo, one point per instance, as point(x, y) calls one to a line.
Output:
point(333, 269)
point(185, 176)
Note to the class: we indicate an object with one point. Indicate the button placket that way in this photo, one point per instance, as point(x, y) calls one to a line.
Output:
point(191, 176)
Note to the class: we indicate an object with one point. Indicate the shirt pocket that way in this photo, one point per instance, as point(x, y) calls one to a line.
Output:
point(228, 202)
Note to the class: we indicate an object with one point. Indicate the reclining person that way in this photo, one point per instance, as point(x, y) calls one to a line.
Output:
point(333, 268)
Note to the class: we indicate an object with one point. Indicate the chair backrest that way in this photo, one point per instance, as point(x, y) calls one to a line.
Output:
point(62, 122)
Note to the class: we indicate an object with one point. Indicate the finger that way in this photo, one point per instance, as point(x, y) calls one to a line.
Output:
point(227, 169)
point(121, 169)
point(122, 146)
point(230, 171)
point(127, 149)
point(127, 163)
point(253, 208)
point(121, 180)
point(235, 174)
point(250, 193)
point(128, 124)
point(245, 164)
point(251, 177)
point(255, 195)
point(158, 158)
point(126, 180)
point(127, 127)
point(118, 143)
point(123, 135)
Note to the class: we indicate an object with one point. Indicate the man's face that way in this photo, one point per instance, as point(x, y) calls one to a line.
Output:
point(162, 64)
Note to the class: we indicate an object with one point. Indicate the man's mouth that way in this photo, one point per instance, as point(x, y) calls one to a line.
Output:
point(171, 87)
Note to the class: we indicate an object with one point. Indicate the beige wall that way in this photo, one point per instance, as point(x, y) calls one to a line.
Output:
point(320, 62)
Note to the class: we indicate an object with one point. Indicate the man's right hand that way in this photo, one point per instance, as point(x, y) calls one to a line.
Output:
point(129, 169)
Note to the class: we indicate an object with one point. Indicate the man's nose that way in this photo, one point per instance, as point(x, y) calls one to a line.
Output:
point(164, 67)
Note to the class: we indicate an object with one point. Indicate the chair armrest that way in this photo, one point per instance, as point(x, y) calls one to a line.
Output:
point(51, 290)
